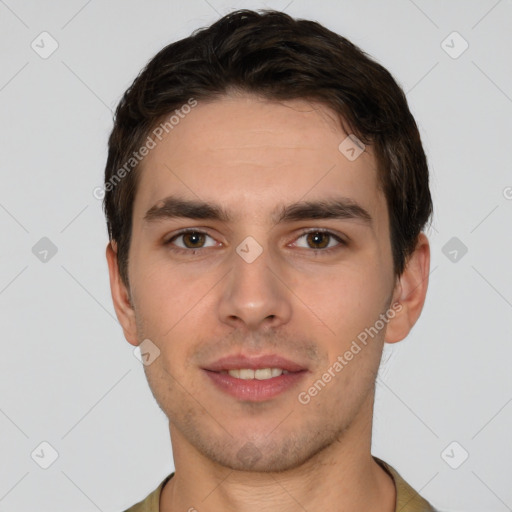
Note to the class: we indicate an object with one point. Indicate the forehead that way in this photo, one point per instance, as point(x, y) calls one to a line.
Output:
point(246, 151)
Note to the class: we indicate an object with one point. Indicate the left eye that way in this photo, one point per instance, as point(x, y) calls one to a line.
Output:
point(322, 239)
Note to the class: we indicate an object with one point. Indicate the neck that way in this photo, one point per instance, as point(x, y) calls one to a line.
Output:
point(343, 473)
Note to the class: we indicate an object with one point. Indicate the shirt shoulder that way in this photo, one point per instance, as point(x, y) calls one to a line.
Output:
point(152, 502)
point(407, 499)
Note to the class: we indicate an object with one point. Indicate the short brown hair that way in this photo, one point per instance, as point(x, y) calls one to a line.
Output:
point(272, 55)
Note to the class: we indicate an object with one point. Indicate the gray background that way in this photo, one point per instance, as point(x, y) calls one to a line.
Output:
point(68, 377)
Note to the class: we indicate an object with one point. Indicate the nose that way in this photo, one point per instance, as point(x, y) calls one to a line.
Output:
point(255, 294)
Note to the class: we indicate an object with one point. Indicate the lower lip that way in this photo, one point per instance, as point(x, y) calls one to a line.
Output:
point(253, 389)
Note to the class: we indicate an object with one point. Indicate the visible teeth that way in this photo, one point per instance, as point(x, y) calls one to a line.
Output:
point(245, 374)
point(263, 373)
point(259, 374)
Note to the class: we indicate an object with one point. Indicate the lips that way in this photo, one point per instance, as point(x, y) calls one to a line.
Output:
point(252, 382)
point(237, 362)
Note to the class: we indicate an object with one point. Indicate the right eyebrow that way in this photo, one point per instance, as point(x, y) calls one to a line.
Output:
point(175, 207)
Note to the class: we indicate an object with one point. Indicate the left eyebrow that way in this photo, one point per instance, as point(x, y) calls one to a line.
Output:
point(335, 208)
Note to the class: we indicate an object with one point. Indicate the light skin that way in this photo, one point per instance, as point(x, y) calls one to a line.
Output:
point(252, 157)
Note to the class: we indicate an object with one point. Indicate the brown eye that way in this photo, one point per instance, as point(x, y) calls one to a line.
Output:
point(320, 240)
point(190, 239)
point(193, 240)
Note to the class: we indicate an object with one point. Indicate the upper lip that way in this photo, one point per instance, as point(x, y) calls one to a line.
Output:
point(240, 361)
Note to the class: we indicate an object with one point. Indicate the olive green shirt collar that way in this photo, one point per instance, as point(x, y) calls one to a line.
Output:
point(407, 499)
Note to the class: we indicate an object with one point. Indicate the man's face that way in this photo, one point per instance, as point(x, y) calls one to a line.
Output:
point(216, 293)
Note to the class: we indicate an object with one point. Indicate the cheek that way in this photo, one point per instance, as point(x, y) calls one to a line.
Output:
point(162, 291)
point(349, 299)
point(173, 307)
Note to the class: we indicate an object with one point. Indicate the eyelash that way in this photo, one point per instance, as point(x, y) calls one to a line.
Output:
point(341, 242)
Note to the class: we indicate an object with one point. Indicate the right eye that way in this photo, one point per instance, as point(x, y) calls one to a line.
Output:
point(191, 239)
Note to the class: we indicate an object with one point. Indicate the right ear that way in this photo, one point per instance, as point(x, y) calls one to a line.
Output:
point(121, 296)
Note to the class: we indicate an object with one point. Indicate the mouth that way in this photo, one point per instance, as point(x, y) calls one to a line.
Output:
point(258, 374)
point(255, 379)
point(246, 362)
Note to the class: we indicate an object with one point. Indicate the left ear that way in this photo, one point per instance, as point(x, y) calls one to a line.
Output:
point(410, 291)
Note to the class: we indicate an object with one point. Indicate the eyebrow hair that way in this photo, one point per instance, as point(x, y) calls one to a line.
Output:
point(330, 208)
